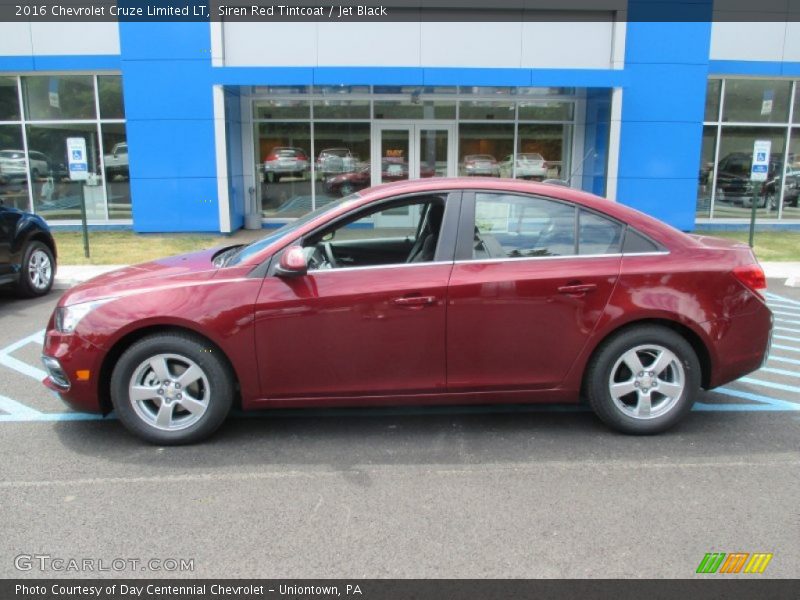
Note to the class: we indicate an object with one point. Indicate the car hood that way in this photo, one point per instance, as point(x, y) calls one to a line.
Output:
point(157, 274)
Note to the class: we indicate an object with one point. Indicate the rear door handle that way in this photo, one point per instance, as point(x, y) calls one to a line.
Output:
point(415, 301)
point(577, 288)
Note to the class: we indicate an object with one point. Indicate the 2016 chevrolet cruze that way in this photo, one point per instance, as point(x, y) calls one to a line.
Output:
point(440, 291)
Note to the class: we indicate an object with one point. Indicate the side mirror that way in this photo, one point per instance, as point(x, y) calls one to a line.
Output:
point(292, 263)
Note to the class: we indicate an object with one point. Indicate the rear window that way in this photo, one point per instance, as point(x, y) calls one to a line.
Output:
point(10, 154)
point(636, 243)
point(598, 235)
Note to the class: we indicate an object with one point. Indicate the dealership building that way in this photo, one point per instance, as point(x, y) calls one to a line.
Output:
point(211, 126)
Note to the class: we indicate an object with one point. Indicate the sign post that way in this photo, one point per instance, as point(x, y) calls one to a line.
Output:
point(758, 174)
point(79, 171)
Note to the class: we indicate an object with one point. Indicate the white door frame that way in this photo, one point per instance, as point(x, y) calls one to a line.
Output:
point(414, 129)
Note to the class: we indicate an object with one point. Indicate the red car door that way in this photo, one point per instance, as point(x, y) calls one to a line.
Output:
point(356, 331)
point(524, 296)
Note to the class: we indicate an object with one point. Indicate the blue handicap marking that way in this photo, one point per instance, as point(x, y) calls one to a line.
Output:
point(76, 155)
point(759, 168)
point(761, 156)
point(77, 166)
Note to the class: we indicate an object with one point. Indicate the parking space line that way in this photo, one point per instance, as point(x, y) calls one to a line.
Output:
point(784, 299)
point(787, 329)
point(765, 403)
point(784, 359)
point(771, 384)
point(785, 314)
point(786, 337)
point(19, 366)
point(789, 348)
point(793, 374)
point(16, 409)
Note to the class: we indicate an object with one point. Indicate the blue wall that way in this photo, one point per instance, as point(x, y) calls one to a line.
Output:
point(166, 71)
point(662, 112)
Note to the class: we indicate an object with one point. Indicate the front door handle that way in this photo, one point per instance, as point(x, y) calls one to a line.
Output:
point(577, 288)
point(415, 301)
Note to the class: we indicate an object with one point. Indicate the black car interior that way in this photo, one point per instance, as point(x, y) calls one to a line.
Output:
point(339, 246)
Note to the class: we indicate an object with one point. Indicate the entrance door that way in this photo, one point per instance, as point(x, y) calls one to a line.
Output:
point(404, 150)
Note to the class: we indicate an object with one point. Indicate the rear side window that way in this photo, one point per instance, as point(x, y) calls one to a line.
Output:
point(598, 235)
point(636, 243)
point(511, 226)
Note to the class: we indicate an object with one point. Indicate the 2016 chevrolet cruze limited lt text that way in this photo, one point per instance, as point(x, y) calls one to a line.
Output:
point(438, 291)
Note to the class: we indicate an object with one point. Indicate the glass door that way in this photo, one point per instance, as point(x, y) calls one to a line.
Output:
point(406, 150)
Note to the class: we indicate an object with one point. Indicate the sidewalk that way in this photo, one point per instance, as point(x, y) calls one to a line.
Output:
point(69, 275)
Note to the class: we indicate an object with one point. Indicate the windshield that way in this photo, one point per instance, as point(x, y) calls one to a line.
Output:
point(254, 248)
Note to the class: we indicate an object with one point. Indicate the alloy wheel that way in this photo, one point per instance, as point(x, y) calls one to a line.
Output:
point(647, 381)
point(169, 392)
point(40, 270)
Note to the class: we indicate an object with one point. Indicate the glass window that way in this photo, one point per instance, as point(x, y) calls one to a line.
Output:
point(9, 99)
point(115, 162)
point(735, 192)
point(283, 109)
point(342, 162)
point(706, 172)
point(545, 91)
point(481, 144)
point(341, 109)
point(479, 110)
point(512, 226)
point(283, 163)
point(791, 190)
point(408, 109)
point(545, 111)
point(109, 89)
point(58, 97)
point(399, 233)
point(756, 101)
point(13, 168)
point(543, 152)
point(636, 243)
point(712, 99)
point(796, 112)
point(55, 196)
point(598, 235)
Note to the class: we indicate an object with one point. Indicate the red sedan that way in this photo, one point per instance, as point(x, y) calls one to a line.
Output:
point(438, 291)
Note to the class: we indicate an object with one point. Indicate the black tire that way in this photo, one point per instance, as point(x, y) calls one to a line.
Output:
point(610, 354)
point(215, 368)
point(28, 285)
point(346, 189)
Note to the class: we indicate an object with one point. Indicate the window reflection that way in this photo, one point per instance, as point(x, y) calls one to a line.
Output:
point(13, 168)
point(283, 163)
point(58, 97)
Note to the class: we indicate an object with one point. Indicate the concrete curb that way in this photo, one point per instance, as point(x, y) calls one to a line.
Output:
point(70, 275)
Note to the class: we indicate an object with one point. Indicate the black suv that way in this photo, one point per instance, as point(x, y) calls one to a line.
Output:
point(27, 252)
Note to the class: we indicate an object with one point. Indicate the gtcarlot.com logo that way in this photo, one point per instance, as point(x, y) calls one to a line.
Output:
point(734, 562)
point(47, 562)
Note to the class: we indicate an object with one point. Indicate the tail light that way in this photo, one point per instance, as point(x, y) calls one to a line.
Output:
point(752, 277)
point(272, 156)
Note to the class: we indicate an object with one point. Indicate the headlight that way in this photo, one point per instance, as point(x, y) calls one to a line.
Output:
point(68, 317)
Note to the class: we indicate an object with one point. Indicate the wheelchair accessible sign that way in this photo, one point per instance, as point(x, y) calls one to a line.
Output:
point(76, 159)
point(761, 153)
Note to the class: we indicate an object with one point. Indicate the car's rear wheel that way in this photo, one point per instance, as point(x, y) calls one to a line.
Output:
point(643, 380)
point(172, 389)
point(38, 270)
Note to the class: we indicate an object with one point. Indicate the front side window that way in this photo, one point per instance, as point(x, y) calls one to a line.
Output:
point(397, 233)
point(512, 226)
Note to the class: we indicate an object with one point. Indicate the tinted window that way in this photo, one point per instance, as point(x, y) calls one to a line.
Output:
point(511, 226)
point(598, 235)
point(635, 243)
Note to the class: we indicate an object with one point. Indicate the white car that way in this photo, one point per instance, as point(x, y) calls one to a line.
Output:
point(12, 165)
point(116, 163)
point(530, 165)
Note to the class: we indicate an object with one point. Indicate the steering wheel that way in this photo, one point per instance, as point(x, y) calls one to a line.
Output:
point(329, 255)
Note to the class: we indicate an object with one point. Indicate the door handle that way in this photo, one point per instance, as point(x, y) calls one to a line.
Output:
point(577, 288)
point(415, 301)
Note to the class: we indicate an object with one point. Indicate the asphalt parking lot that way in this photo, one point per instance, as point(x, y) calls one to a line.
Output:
point(502, 492)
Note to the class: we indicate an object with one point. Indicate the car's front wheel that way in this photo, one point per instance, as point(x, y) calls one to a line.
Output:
point(38, 270)
point(172, 389)
point(643, 380)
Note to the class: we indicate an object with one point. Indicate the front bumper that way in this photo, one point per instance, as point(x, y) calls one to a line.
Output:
point(73, 366)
